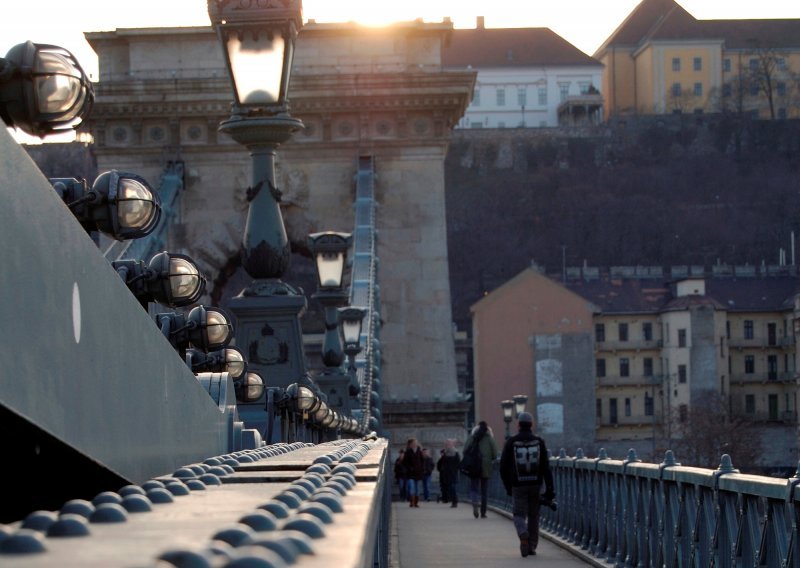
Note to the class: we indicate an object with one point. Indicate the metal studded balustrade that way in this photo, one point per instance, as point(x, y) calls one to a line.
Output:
point(273, 506)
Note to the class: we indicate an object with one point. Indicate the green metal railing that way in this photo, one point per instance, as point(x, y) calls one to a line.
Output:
point(629, 514)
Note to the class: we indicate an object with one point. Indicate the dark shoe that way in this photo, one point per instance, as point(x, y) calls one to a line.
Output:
point(483, 515)
point(454, 505)
point(524, 545)
point(475, 511)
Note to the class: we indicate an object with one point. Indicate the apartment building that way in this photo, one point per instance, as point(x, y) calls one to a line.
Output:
point(527, 77)
point(663, 60)
point(660, 341)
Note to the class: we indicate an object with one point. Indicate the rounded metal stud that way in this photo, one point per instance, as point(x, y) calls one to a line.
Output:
point(305, 523)
point(319, 510)
point(210, 479)
point(77, 507)
point(289, 499)
point(39, 520)
point(256, 557)
point(187, 559)
point(195, 485)
point(107, 497)
point(331, 500)
point(177, 488)
point(159, 496)
point(300, 539)
point(109, 513)
point(135, 503)
point(280, 510)
point(69, 525)
point(24, 541)
point(153, 483)
point(281, 545)
point(260, 521)
point(236, 535)
point(130, 490)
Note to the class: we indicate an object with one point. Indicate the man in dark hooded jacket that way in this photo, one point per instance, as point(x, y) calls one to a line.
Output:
point(525, 471)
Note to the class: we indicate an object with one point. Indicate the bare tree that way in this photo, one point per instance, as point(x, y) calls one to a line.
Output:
point(706, 430)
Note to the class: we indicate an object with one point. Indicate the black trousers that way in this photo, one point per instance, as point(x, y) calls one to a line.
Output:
point(525, 510)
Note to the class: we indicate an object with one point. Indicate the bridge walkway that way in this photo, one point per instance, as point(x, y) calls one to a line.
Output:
point(438, 536)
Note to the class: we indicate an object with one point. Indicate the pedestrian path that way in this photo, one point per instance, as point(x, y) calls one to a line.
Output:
point(438, 536)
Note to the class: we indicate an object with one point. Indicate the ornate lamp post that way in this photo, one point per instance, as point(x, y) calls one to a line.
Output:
point(520, 400)
point(508, 410)
point(258, 42)
point(330, 255)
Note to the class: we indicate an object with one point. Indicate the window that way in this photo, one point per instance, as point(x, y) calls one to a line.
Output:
point(726, 65)
point(753, 64)
point(476, 97)
point(682, 374)
point(780, 63)
point(754, 114)
point(698, 89)
point(749, 364)
point(726, 90)
point(676, 63)
point(648, 404)
point(627, 407)
point(612, 410)
point(647, 331)
point(750, 403)
point(542, 94)
point(728, 329)
point(522, 96)
point(623, 332)
point(476, 124)
point(563, 90)
point(782, 113)
point(648, 366)
point(772, 405)
point(722, 347)
point(599, 332)
point(681, 338)
point(676, 89)
point(772, 333)
point(772, 367)
point(753, 89)
point(697, 63)
point(501, 124)
point(780, 88)
point(624, 367)
point(683, 412)
point(583, 87)
point(600, 367)
point(501, 96)
point(748, 329)
point(598, 403)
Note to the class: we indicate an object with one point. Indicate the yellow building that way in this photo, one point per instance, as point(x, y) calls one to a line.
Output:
point(662, 60)
point(657, 347)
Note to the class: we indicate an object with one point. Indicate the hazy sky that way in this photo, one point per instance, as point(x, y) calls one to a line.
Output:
point(584, 23)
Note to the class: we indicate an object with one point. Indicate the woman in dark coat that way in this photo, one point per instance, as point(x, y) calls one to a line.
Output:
point(415, 469)
point(448, 472)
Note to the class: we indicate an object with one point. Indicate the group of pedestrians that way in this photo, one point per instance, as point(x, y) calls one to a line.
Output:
point(524, 471)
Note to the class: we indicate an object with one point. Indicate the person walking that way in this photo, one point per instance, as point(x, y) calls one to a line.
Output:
point(447, 466)
point(400, 476)
point(415, 469)
point(479, 486)
point(525, 471)
point(427, 471)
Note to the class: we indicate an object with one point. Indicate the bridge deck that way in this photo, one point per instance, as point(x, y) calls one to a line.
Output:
point(436, 535)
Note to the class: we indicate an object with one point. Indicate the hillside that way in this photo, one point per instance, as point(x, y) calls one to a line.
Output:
point(659, 191)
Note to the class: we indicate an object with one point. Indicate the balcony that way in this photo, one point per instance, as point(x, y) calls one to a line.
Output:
point(633, 345)
point(763, 378)
point(630, 381)
point(785, 417)
point(761, 343)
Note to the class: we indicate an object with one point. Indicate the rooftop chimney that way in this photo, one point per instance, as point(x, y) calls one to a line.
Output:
point(480, 25)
